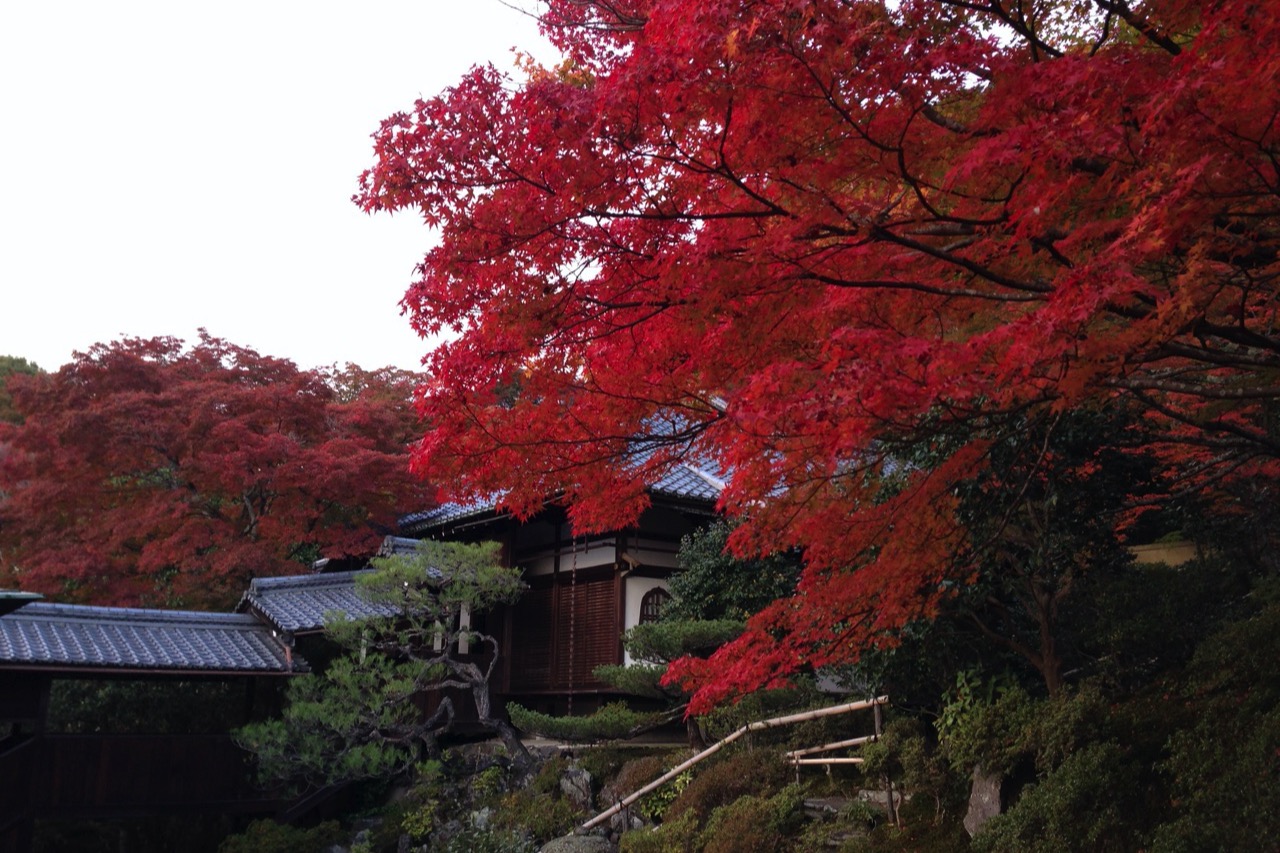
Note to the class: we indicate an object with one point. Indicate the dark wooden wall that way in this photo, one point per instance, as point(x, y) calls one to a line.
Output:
point(120, 776)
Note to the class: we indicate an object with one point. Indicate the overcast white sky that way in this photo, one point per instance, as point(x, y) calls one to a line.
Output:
point(170, 165)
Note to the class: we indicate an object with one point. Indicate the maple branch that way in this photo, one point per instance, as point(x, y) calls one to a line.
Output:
point(1254, 439)
point(1016, 23)
point(1142, 25)
point(1212, 392)
point(947, 257)
point(945, 122)
point(1236, 334)
point(918, 287)
point(1177, 349)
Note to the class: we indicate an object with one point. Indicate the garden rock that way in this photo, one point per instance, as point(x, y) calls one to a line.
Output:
point(984, 800)
point(578, 844)
point(575, 784)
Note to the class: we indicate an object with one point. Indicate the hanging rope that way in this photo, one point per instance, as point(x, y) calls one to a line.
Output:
point(573, 618)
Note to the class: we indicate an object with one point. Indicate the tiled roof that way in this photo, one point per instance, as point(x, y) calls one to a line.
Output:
point(685, 482)
point(79, 637)
point(690, 483)
point(447, 514)
point(300, 603)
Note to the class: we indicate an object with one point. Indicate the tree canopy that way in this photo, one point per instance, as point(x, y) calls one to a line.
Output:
point(805, 239)
point(147, 472)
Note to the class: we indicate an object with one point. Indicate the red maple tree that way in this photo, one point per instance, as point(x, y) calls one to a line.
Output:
point(796, 236)
point(150, 473)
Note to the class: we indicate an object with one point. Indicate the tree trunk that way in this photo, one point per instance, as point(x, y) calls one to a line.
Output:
point(520, 756)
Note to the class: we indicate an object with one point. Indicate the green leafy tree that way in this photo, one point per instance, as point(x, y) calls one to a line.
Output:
point(1041, 523)
point(9, 365)
point(361, 718)
point(713, 584)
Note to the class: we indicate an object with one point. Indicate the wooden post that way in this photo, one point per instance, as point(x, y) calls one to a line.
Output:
point(890, 810)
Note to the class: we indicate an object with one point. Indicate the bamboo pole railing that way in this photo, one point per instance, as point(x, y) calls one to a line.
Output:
point(801, 717)
point(827, 747)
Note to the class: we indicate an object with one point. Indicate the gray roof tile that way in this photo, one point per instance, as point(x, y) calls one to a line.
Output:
point(76, 636)
point(295, 604)
point(685, 482)
point(447, 514)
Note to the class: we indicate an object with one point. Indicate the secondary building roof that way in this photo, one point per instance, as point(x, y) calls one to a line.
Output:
point(299, 604)
point(72, 637)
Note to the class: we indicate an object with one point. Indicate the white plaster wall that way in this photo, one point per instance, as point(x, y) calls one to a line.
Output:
point(598, 553)
point(633, 591)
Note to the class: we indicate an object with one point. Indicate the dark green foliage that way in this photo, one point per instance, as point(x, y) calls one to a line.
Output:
point(147, 707)
point(713, 585)
point(907, 753)
point(540, 809)
point(11, 365)
point(764, 705)
point(612, 722)
point(1085, 803)
point(1226, 765)
point(1041, 524)
point(355, 721)
point(674, 836)
point(641, 679)
point(665, 641)
point(1013, 727)
point(1148, 620)
point(267, 836)
point(921, 831)
point(605, 762)
point(754, 823)
point(746, 824)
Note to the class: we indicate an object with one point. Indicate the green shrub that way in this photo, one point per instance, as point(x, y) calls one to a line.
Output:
point(993, 735)
point(1225, 767)
point(1086, 803)
point(637, 773)
point(912, 760)
point(604, 762)
point(612, 722)
point(673, 836)
point(763, 705)
point(539, 810)
point(267, 836)
point(486, 786)
point(757, 771)
point(543, 817)
point(654, 805)
point(754, 823)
